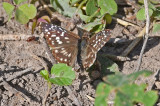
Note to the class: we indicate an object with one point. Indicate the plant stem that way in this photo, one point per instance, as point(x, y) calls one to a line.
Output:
point(47, 93)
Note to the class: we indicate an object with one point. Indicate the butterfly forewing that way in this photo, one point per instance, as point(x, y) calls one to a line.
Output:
point(62, 43)
point(96, 42)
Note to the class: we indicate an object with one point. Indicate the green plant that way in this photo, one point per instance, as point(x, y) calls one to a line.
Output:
point(95, 13)
point(127, 93)
point(61, 74)
point(23, 13)
point(154, 13)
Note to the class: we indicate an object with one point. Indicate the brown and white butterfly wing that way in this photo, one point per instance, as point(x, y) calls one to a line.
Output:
point(95, 43)
point(63, 43)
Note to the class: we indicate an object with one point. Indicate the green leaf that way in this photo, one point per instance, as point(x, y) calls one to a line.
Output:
point(141, 13)
point(8, 8)
point(21, 17)
point(134, 76)
point(156, 27)
point(122, 100)
point(63, 74)
point(151, 6)
point(45, 74)
point(61, 81)
point(63, 7)
point(74, 1)
point(102, 93)
point(29, 10)
point(107, 6)
point(91, 7)
point(18, 1)
point(132, 93)
point(121, 79)
point(150, 98)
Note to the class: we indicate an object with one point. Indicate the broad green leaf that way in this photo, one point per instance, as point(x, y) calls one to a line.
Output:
point(91, 7)
point(21, 17)
point(122, 100)
point(74, 1)
point(63, 7)
point(61, 81)
point(134, 76)
point(156, 28)
point(119, 79)
point(63, 74)
point(151, 6)
point(18, 1)
point(29, 10)
point(45, 74)
point(136, 94)
point(8, 8)
point(107, 6)
point(84, 17)
point(141, 13)
point(150, 98)
point(62, 70)
point(102, 92)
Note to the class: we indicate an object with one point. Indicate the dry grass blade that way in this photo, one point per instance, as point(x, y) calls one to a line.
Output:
point(134, 43)
point(125, 23)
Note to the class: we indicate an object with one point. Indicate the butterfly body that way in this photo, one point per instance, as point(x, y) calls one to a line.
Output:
point(66, 46)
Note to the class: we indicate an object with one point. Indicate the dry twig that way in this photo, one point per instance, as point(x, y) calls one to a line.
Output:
point(146, 36)
point(11, 37)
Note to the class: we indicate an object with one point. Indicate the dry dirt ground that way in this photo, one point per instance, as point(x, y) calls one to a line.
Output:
point(29, 88)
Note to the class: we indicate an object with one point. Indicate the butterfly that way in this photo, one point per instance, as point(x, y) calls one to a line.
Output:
point(68, 47)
